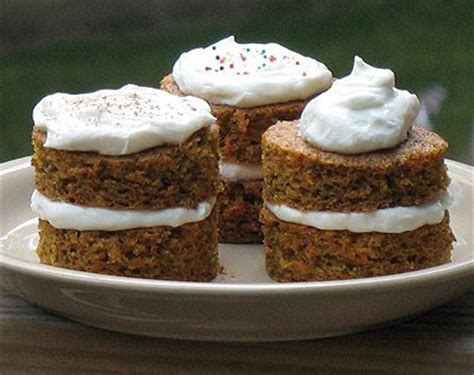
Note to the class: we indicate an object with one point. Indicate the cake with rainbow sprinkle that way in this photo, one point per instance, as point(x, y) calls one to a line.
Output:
point(249, 88)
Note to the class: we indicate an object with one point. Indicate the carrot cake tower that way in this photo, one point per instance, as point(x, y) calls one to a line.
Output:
point(352, 189)
point(126, 183)
point(249, 88)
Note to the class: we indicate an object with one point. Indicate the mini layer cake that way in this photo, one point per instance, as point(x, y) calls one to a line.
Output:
point(126, 183)
point(374, 204)
point(249, 87)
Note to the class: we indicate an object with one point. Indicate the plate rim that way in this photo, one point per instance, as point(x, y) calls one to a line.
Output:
point(411, 279)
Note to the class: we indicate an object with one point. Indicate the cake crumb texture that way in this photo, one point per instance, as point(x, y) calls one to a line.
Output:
point(239, 210)
point(296, 252)
point(241, 129)
point(154, 179)
point(307, 178)
point(186, 253)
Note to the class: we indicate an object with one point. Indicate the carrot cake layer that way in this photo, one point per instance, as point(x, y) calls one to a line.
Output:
point(309, 178)
point(187, 252)
point(156, 178)
point(241, 129)
point(239, 210)
point(296, 252)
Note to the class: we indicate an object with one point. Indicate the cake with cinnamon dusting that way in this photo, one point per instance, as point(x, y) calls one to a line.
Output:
point(126, 183)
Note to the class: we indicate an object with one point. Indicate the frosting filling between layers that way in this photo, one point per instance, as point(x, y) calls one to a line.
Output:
point(70, 216)
point(240, 171)
point(385, 220)
point(249, 75)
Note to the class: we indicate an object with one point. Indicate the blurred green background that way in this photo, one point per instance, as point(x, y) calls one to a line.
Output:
point(79, 46)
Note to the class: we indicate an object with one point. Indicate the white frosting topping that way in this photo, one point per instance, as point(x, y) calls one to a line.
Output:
point(360, 113)
point(248, 75)
point(119, 122)
point(240, 171)
point(70, 216)
point(385, 220)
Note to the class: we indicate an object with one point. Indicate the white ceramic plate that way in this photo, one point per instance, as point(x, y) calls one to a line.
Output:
point(241, 305)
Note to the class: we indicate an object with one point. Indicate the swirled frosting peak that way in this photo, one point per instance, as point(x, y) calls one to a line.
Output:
point(119, 122)
point(248, 75)
point(362, 112)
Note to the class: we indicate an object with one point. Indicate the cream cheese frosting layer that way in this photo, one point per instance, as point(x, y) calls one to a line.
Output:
point(386, 220)
point(249, 75)
point(362, 112)
point(240, 171)
point(70, 216)
point(119, 122)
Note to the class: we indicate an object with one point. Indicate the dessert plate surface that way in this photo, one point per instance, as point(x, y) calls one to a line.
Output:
point(242, 304)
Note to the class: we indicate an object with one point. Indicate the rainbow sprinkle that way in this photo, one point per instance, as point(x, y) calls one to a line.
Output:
point(248, 59)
